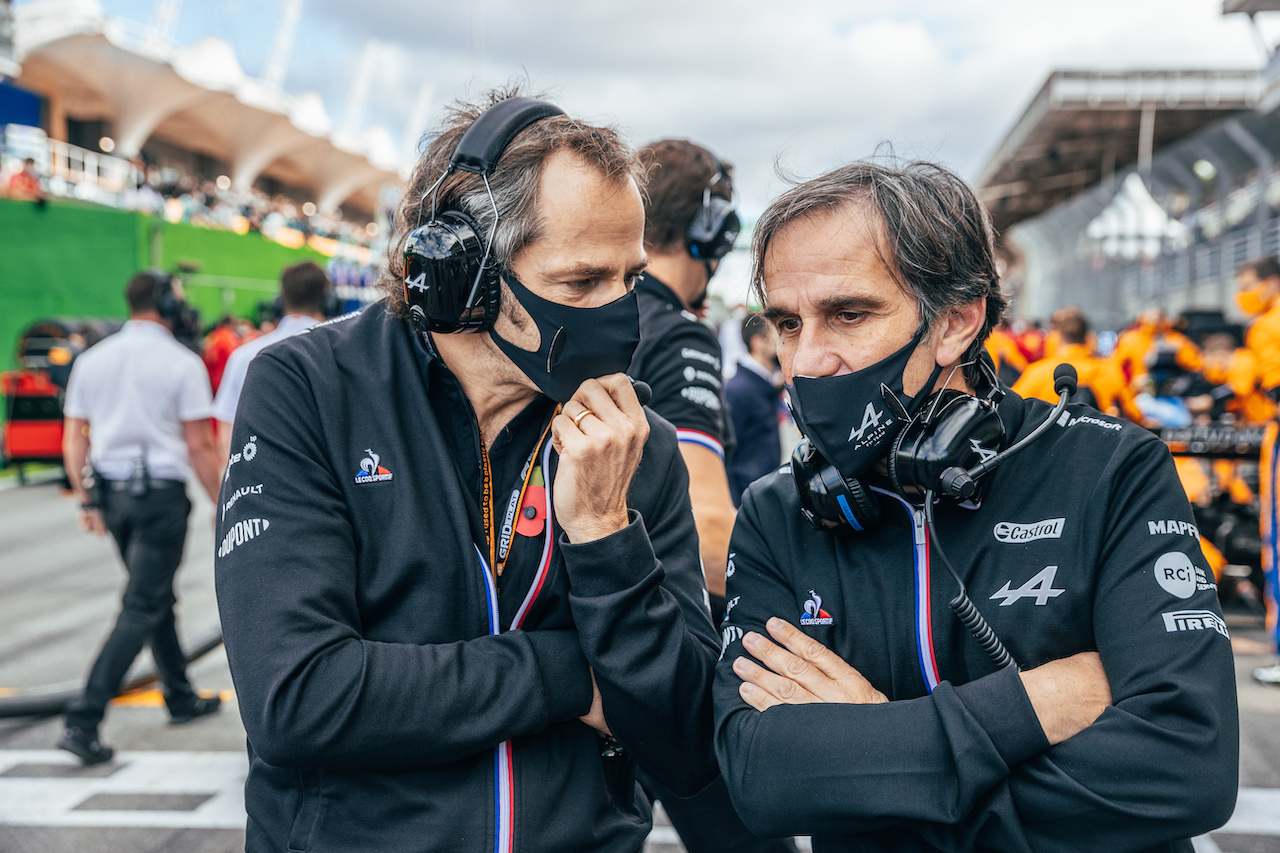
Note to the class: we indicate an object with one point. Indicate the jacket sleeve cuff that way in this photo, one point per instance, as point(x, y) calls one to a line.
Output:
point(611, 564)
point(1001, 706)
point(566, 675)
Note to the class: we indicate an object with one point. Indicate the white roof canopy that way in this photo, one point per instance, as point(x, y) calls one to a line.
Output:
point(197, 97)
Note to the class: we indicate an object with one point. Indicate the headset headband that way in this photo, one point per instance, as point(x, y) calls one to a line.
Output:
point(490, 134)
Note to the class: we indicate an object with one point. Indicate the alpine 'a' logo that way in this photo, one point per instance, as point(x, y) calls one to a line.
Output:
point(870, 418)
point(984, 454)
point(1040, 587)
point(419, 282)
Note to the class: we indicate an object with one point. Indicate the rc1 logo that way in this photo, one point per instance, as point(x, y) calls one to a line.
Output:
point(1179, 577)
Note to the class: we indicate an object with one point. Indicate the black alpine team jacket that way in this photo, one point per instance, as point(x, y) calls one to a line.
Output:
point(1084, 541)
point(388, 703)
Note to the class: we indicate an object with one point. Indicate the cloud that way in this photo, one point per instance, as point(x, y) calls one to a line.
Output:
point(813, 82)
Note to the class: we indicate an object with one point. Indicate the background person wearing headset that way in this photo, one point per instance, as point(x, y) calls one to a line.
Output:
point(137, 409)
point(689, 225)
point(458, 578)
point(852, 703)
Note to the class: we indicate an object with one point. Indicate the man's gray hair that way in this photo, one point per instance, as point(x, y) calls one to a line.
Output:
point(934, 237)
point(514, 182)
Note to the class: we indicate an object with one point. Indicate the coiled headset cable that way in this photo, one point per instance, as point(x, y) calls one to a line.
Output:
point(966, 611)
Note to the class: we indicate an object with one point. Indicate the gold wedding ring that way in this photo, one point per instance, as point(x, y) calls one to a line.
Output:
point(577, 419)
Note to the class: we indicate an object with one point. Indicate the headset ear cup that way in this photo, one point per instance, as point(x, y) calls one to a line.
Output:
point(866, 509)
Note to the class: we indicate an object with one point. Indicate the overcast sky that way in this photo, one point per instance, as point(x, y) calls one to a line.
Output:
point(810, 83)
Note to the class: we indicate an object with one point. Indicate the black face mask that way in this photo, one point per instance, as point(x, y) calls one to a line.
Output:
point(577, 343)
point(853, 419)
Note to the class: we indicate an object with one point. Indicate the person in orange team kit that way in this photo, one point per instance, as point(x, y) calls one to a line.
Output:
point(1153, 330)
point(221, 341)
point(1235, 371)
point(1099, 375)
point(1258, 294)
point(1004, 351)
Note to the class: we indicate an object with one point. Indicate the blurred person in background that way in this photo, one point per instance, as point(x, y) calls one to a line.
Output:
point(1136, 348)
point(1006, 354)
point(1100, 383)
point(1233, 371)
point(303, 288)
point(137, 409)
point(690, 224)
point(1258, 295)
point(25, 184)
point(754, 396)
point(218, 345)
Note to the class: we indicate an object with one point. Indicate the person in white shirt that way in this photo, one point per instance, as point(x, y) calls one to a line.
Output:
point(137, 408)
point(303, 288)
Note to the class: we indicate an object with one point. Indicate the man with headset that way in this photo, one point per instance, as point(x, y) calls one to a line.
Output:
point(458, 573)
point(1080, 695)
point(689, 225)
point(137, 409)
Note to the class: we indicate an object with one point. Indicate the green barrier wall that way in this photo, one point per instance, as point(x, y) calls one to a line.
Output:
point(73, 260)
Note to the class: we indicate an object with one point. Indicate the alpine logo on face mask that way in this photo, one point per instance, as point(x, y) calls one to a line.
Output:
point(813, 613)
point(371, 470)
point(871, 420)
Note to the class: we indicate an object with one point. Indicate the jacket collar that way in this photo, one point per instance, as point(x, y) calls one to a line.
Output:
point(654, 286)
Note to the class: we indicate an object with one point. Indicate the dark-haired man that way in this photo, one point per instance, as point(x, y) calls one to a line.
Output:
point(851, 702)
point(303, 288)
point(137, 409)
point(753, 401)
point(458, 573)
point(689, 226)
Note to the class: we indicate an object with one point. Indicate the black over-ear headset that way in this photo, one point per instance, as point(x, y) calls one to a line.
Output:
point(449, 284)
point(168, 305)
point(953, 433)
point(714, 228)
point(944, 452)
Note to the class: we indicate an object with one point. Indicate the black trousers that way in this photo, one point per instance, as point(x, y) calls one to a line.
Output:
point(150, 532)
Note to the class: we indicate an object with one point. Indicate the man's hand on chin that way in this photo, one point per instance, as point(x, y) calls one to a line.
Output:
point(600, 435)
point(799, 671)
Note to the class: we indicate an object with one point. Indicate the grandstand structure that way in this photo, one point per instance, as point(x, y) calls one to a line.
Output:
point(109, 90)
point(1118, 190)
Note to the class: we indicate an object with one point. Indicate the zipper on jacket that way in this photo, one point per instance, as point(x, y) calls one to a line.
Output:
point(923, 610)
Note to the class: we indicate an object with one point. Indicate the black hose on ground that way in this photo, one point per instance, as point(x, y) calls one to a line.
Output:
point(51, 701)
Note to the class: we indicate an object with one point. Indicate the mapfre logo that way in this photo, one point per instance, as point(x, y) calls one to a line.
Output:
point(1050, 528)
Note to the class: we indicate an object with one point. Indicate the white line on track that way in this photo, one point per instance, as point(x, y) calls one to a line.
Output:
point(52, 802)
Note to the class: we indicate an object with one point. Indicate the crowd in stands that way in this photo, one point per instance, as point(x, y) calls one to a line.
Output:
point(182, 197)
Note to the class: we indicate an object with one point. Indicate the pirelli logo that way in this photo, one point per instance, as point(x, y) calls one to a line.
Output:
point(1194, 620)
